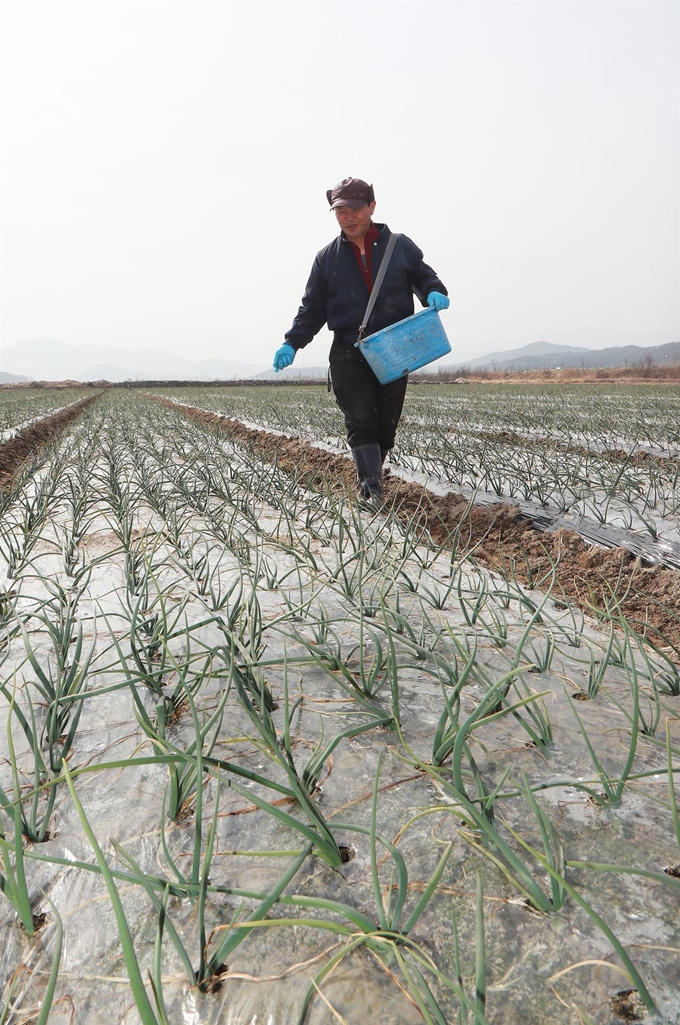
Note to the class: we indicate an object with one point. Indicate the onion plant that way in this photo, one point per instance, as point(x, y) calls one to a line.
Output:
point(61, 682)
point(37, 806)
point(13, 883)
point(146, 1011)
point(261, 719)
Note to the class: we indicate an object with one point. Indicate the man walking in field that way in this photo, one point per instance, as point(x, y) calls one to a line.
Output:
point(337, 294)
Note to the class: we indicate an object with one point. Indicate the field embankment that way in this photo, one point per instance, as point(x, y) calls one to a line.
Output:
point(635, 374)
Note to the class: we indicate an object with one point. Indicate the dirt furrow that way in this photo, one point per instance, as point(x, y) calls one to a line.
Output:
point(15, 451)
point(499, 536)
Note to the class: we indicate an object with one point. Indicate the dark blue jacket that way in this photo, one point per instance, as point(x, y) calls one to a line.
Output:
point(336, 293)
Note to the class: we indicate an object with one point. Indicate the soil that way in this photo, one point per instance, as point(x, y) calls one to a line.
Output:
point(498, 536)
point(15, 452)
point(627, 1005)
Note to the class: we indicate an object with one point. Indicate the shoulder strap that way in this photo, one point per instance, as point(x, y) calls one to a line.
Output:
point(391, 243)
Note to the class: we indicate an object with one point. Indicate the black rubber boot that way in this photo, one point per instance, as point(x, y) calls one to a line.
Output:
point(368, 461)
point(384, 452)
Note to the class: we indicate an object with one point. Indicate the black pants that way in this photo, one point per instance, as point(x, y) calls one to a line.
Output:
point(371, 409)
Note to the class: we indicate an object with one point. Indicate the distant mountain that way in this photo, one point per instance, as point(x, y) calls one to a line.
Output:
point(533, 350)
point(539, 355)
point(585, 338)
point(12, 378)
point(609, 338)
point(46, 359)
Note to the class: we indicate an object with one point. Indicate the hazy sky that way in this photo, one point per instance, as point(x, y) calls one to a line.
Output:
point(166, 163)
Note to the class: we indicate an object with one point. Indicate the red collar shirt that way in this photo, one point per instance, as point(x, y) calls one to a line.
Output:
point(364, 261)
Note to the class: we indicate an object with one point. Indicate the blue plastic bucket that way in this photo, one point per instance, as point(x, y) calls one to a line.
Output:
point(409, 344)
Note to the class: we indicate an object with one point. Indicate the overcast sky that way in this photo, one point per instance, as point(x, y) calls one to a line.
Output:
point(166, 163)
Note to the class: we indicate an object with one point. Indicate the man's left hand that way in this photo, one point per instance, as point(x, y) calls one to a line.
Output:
point(437, 301)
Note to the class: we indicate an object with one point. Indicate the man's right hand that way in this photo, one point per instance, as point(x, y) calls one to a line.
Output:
point(283, 357)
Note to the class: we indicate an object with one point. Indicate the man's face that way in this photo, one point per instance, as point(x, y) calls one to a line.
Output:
point(355, 223)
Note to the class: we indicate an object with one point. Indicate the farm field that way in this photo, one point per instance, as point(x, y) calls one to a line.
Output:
point(22, 407)
point(610, 454)
point(265, 758)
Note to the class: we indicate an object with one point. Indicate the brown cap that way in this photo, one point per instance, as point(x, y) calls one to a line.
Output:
point(350, 192)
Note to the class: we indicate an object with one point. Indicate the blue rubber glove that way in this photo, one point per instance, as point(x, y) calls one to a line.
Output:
point(283, 357)
point(437, 301)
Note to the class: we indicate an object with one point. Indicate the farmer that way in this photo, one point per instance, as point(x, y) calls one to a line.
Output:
point(337, 294)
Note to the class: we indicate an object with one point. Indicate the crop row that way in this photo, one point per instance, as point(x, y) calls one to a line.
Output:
point(513, 444)
point(19, 408)
point(602, 418)
point(235, 711)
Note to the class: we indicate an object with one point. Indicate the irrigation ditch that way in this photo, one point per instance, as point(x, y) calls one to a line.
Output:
point(501, 535)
